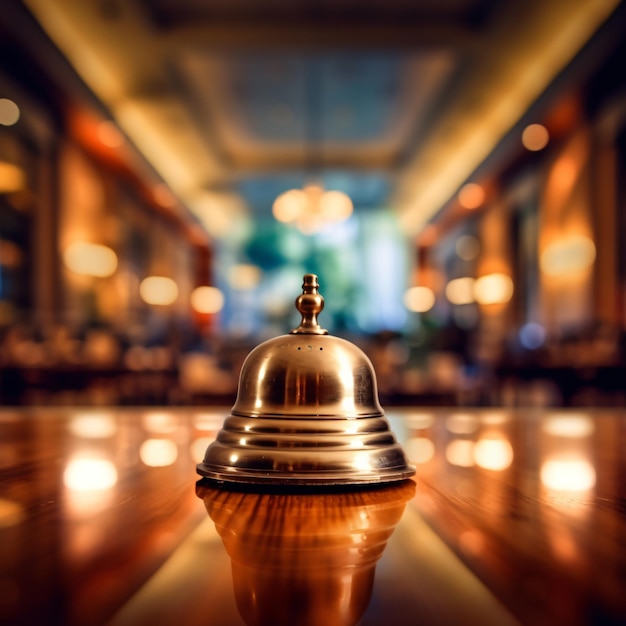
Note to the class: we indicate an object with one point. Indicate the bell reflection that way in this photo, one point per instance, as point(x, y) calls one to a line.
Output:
point(306, 559)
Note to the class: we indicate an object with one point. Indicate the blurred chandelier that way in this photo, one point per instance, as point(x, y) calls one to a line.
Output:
point(312, 208)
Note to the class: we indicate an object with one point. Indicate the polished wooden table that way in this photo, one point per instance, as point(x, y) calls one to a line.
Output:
point(514, 517)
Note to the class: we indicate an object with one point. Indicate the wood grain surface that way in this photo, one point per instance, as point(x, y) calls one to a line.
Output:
point(515, 517)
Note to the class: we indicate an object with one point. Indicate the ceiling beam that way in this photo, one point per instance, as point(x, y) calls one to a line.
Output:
point(299, 161)
point(312, 35)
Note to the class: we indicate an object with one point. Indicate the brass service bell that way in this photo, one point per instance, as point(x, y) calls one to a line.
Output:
point(307, 413)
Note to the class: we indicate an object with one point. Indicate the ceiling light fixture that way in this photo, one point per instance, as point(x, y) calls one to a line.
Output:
point(312, 208)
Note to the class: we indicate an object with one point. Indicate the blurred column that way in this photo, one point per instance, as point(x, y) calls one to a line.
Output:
point(566, 245)
point(494, 269)
point(607, 299)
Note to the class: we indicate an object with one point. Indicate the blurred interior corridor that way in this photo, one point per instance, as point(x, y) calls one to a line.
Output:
point(452, 171)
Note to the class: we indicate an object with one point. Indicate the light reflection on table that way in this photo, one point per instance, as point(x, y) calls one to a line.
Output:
point(97, 504)
point(533, 502)
point(304, 558)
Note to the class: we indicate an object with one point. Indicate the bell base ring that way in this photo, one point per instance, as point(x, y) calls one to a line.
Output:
point(234, 475)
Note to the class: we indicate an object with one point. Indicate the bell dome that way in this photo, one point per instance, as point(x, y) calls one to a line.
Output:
point(307, 412)
point(307, 375)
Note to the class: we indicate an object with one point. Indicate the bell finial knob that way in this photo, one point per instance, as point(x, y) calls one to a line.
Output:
point(310, 303)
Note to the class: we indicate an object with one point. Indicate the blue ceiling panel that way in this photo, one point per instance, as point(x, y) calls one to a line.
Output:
point(316, 97)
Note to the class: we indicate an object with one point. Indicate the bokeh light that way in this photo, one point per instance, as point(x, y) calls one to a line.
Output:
point(568, 256)
point(471, 196)
point(461, 423)
point(493, 453)
point(12, 178)
point(572, 475)
point(420, 449)
point(494, 288)
point(571, 426)
point(207, 299)
point(93, 426)
point(460, 290)
point(11, 513)
point(9, 112)
point(158, 452)
point(90, 259)
point(535, 137)
point(158, 290)
point(532, 335)
point(110, 135)
point(460, 452)
point(159, 423)
point(419, 299)
point(89, 474)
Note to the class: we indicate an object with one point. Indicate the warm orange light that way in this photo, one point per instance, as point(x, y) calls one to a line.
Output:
point(208, 421)
point(289, 205)
point(158, 290)
point(158, 452)
point(9, 112)
point(207, 299)
point(420, 420)
point(12, 178)
point(564, 174)
point(335, 206)
point(535, 137)
point(198, 446)
point(93, 426)
point(11, 513)
point(494, 288)
point(89, 474)
point(159, 423)
point(494, 454)
point(460, 290)
point(575, 474)
point(90, 259)
point(428, 236)
point(462, 423)
point(109, 135)
point(419, 299)
point(571, 255)
point(571, 426)
point(163, 196)
point(311, 208)
point(460, 452)
point(471, 196)
point(420, 449)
